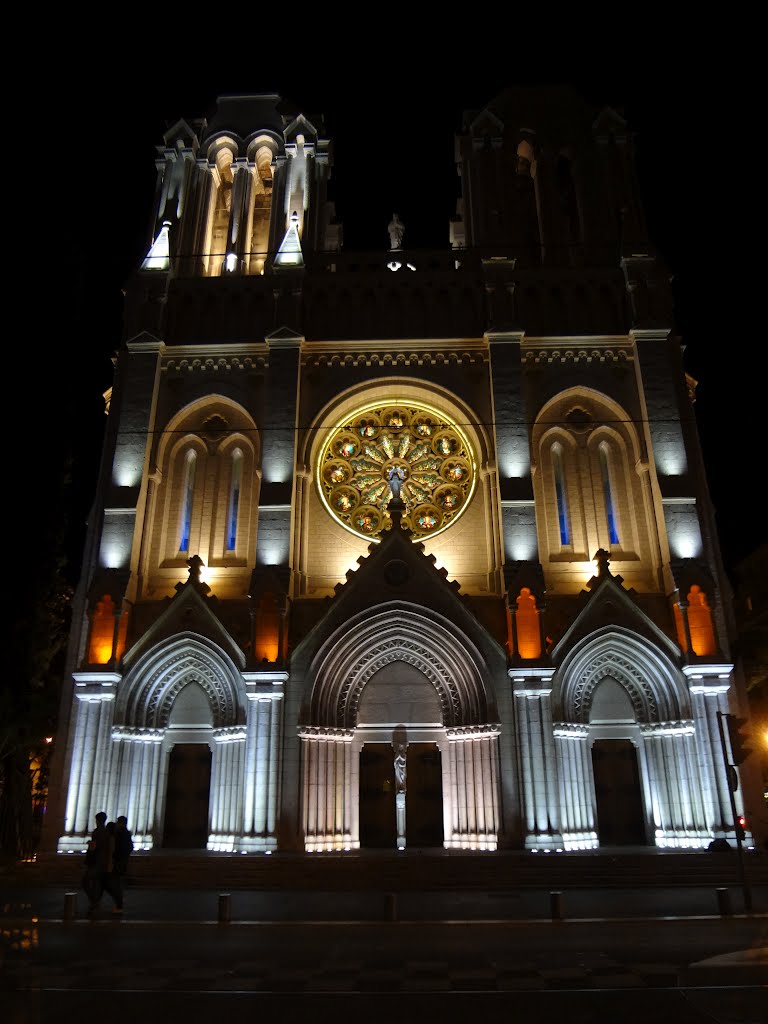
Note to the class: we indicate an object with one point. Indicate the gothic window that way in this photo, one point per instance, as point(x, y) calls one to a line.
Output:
point(560, 494)
point(605, 475)
point(592, 490)
point(261, 206)
point(236, 461)
point(188, 494)
point(221, 207)
point(205, 494)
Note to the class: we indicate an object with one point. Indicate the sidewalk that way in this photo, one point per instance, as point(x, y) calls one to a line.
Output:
point(52, 903)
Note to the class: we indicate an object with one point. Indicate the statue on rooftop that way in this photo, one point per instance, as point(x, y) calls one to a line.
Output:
point(396, 232)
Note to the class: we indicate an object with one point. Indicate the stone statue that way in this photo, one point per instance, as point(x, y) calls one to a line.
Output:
point(396, 232)
point(396, 476)
point(400, 770)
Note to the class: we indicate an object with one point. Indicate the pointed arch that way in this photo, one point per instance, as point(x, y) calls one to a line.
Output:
point(654, 686)
point(397, 632)
point(590, 461)
point(146, 695)
point(210, 447)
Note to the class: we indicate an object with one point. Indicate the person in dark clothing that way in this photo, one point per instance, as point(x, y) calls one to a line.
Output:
point(122, 851)
point(98, 862)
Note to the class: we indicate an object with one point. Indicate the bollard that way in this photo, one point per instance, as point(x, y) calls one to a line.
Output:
point(556, 905)
point(392, 906)
point(225, 907)
point(70, 905)
point(724, 902)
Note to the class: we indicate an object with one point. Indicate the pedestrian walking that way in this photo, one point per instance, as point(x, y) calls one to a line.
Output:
point(123, 848)
point(98, 862)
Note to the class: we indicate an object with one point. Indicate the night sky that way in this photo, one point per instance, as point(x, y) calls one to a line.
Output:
point(392, 115)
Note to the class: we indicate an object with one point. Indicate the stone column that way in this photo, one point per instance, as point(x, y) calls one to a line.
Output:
point(327, 795)
point(91, 754)
point(471, 796)
point(576, 786)
point(538, 762)
point(709, 694)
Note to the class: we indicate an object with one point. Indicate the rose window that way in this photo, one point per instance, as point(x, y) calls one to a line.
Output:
point(431, 457)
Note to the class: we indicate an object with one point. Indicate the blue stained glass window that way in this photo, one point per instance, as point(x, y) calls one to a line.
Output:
point(189, 491)
point(234, 499)
point(613, 533)
point(562, 504)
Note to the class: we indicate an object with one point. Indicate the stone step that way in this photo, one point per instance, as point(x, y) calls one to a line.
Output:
point(428, 871)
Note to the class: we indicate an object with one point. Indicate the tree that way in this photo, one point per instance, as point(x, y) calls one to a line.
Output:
point(33, 665)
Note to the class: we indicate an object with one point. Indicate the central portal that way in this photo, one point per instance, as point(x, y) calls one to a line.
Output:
point(423, 796)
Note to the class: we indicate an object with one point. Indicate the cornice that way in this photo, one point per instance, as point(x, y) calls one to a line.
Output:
point(392, 354)
point(214, 365)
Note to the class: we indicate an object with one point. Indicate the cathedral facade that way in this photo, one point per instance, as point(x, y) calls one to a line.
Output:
point(405, 548)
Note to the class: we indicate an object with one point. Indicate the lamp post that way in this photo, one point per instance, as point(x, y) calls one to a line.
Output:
point(737, 753)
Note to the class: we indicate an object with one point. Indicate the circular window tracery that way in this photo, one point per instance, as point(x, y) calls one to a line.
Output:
point(434, 455)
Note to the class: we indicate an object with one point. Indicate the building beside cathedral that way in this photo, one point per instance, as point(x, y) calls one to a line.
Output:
point(401, 548)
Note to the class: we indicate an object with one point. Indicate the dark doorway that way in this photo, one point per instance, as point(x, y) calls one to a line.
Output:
point(377, 796)
point(620, 817)
point(186, 801)
point(424, 796)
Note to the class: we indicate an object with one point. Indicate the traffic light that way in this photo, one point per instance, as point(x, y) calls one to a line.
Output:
point(739, 749)
point(739, 830)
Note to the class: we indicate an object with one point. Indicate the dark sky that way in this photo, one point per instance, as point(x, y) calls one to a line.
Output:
point(392, 114)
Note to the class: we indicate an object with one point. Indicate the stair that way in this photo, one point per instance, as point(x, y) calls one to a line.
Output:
point(413, 870)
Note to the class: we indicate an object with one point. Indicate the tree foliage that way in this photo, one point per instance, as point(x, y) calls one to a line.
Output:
point(29, 683)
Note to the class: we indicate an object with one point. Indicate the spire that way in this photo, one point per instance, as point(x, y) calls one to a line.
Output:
point(289, 254)
point(158, 257)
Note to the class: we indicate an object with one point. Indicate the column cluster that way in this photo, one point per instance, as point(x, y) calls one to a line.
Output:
point(471, 803)
point(329, 790)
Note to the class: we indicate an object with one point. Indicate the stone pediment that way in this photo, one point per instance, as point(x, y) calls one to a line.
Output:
point(191, 611)
point(181, 132)
point(487, 123)
point(284, 337)
point(144, 341)
point(300, 126)
point(608, 603)
point(398, 571)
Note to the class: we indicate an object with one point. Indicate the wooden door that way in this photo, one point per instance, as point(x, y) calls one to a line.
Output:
point(618, 793)
point(187, 796)
point(377, 796)
point(424, 796)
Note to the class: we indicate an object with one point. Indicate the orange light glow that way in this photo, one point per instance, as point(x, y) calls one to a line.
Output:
point(102, 631)
point(527, 621)
point(266, 642)
point(700, 622)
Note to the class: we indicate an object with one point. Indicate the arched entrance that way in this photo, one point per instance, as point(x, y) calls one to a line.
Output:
point(181, 725)
point(626, 746)
point(399, 670)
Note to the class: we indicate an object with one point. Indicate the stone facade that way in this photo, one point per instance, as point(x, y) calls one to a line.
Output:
point(536, 614)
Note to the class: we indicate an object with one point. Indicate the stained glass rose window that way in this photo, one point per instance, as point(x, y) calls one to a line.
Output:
point(437, 463)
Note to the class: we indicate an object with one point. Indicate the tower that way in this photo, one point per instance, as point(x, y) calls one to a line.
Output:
point(413, 550)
